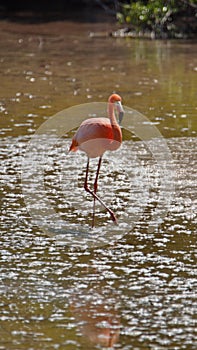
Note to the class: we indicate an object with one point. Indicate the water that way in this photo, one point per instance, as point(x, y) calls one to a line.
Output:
point(136, 289)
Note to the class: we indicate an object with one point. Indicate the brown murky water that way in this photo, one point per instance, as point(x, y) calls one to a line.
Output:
point(135, 288)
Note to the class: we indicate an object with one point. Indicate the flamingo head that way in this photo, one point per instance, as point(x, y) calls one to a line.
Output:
point(117, 101)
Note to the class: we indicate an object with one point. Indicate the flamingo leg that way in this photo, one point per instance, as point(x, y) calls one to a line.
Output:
point(95, 189)
point(87, 189)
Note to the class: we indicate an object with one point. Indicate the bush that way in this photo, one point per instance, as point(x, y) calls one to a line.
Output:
point(159, 16)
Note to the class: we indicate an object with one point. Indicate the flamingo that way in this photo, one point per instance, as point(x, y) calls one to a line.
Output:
point(95, 136)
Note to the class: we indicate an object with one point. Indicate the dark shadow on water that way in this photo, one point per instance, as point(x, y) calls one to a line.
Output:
point(62, 12)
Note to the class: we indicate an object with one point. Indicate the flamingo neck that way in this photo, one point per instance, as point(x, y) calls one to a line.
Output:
point(111, 114)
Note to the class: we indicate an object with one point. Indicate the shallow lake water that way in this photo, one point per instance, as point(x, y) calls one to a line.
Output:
point(63, 284)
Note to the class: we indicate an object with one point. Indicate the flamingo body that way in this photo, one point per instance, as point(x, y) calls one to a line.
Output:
point(95, 136)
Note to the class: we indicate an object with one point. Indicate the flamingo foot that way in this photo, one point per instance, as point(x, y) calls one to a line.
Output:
point(113, 217)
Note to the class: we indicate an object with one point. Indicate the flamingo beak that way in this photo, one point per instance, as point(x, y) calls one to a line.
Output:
point(120, 110)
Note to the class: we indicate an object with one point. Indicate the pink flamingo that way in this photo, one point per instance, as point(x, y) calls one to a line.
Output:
point(94, 137)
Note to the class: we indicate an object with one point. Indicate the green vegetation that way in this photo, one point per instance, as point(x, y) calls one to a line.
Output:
point(170, 18)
